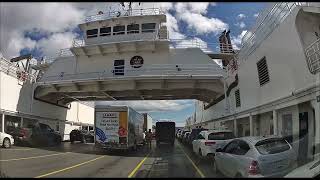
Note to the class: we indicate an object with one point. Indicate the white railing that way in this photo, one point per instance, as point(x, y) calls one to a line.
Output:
point(12, 70)
point(313, 56)
point(205, 47)
point(147, 71)
point(267, 21)
point(122, 13)
point(61, 53)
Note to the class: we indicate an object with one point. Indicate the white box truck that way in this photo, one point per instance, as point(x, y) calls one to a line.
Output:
point(147, 122)
point(117, 127)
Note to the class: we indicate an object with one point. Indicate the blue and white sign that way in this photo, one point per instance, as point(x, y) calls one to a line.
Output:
point(107, 126)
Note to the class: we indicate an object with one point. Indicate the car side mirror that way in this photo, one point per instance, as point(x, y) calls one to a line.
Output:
point(219, 150)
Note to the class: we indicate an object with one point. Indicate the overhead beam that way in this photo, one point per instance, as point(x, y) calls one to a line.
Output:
point(106, 94)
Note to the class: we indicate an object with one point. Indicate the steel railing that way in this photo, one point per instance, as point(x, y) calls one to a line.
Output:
point(122, 13)
point(267, 21)
point(147, 71)
point(12, 70)
point(313, 56)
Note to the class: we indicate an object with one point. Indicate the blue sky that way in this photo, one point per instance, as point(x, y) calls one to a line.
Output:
point(36, 29)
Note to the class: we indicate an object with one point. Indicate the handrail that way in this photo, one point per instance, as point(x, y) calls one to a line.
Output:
point(312, 53)
point(154, 70)
point(123, 13)
point(268, 20)
point(10, 69)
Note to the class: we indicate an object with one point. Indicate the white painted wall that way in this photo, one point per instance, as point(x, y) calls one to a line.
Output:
point(99, 63)
point(17, 98)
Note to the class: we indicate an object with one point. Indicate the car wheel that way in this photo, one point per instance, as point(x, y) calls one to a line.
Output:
point(6, 143)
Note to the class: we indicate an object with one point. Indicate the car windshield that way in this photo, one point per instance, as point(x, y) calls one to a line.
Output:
point(272, 146)
point(159, 89)
point(221, 136)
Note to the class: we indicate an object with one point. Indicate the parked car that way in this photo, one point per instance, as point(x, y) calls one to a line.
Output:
point(6, 140)
point(194, 133)
point(255, 156)
point(182, 134)
point(81, 135)
point(37, 134)
point(208, 141)
point(308, 170)
point(185, 137)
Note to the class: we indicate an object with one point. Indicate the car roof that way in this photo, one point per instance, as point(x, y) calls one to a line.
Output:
point(216, 130)
point(254, 139)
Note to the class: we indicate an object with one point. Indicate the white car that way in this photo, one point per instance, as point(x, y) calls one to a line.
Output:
point(6, 140)
point(255, 156)
point(309, 170)
point(208, 141)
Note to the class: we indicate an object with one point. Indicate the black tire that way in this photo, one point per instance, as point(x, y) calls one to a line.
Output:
point(6, 143)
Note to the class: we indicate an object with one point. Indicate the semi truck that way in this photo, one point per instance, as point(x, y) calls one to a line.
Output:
point(117, 127)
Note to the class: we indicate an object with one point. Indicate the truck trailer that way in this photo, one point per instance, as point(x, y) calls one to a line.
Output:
point(118, 127)
point(147, 122)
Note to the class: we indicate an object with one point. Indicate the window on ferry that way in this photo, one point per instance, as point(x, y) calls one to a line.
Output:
point(237, 95)
point(58, 126)
point(119, 30)
point(263, 71)
point(29, 123)
point(133, 28)
point(105, 31)
point(11, 123)
point(92, 33)
point(148, 27)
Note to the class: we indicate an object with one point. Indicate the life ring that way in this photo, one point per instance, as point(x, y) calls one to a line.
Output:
point(118, 13)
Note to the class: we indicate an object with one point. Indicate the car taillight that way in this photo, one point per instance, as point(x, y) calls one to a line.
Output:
point(254, 168)
point(209, 143)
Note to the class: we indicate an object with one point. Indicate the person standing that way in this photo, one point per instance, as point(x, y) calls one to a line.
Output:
point(149, 138)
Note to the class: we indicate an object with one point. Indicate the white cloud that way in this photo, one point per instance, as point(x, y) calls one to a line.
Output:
point(241, 16)
point(241, 24)
point(193, 15)
point(236, 41)
point(202, 24)
point(152, 105)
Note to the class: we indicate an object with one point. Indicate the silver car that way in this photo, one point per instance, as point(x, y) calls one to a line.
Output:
point(255, 156)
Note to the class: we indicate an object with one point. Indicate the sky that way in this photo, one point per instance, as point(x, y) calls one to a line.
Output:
point(42, 29)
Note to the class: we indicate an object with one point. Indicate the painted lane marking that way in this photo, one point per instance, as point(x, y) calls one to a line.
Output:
point(33, 157)
point(71, 167)
point(194, 165)
point(138, 166)
point(12, 149)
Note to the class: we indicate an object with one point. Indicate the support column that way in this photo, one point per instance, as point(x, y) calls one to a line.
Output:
point(2, 123)
point(275, 122)
point(21, 122)
point(235, 127)
point(316, 106)
point(251, 125)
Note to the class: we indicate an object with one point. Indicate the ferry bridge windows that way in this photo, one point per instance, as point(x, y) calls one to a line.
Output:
point(119, 30)
point(105, 31)
point(263, 71)
point(133, 28)
point(148, 27)
point(92, 33)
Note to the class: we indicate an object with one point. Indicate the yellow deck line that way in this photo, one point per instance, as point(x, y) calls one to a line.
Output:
point(138, 166)
point(194, 165)
point(71, 167)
